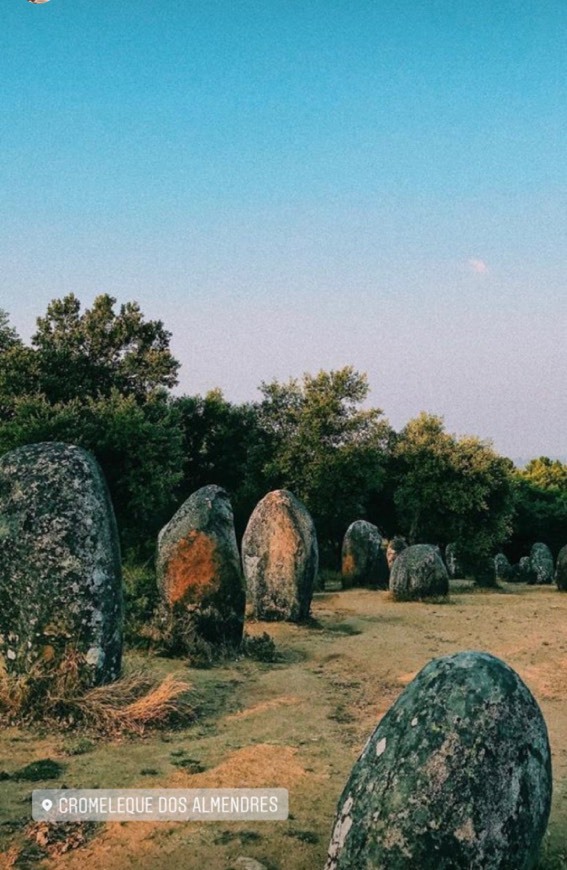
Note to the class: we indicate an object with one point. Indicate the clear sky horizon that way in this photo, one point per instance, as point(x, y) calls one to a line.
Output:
point(292, 187)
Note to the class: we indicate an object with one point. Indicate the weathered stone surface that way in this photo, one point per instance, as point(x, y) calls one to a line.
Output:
point(542, 563)
point(198, 566)
point(526, 572)
point(418, 572)
point(395, 547)
point(457, 776)
point(60, 574)
point(363, 558)
point(561, 569)
point(454, 568)
point(502, 567)
point(280, 558)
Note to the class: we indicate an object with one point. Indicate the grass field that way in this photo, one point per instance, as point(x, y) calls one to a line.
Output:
point(298, 724)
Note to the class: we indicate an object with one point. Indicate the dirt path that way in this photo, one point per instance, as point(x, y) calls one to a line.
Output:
point(301, 723)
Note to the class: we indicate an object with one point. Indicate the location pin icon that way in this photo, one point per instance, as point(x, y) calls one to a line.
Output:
point(47, 804)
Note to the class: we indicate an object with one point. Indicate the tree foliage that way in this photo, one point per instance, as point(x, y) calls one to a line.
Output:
point(452, 489)
point(77, 354)
point(139, 448)
point(540, 491)
point(324, 447)
point(220, 444)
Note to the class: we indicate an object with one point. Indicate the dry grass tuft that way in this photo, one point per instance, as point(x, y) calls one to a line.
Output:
point(58, 697)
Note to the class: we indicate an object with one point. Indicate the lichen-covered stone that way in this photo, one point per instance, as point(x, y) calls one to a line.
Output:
point(542, 563)
point(198, 567)
point(363, 558)
point(60, 575)
point(561, 569)
point(502, 567)
point(280, 558)
point(418, 572)
point(526, 572)
point(457, 776)
point(395, 546)
point(454, 568)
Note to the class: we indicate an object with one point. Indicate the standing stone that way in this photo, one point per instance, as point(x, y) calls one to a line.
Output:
point(561, 569)
point(457, 775)
point(418, 572)
point(454, 568)
point(198, 567)
point(542, 563)
point(502, 568)
point(363, 558)
point(280, 558)
point(526, 572)
point(395, 546)
point(60, 574)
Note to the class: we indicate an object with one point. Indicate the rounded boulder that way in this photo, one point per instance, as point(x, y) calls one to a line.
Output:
point(363, 560)
point(502, 567)
point(280, 558)
point(198, 567)
point(457, 775)
point(60, 571)
point(418, 572)
point(542, 564)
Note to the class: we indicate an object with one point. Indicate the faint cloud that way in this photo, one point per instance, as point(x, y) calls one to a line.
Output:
point(479, 267)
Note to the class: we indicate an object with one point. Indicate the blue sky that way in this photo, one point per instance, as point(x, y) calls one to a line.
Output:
point(294, 186)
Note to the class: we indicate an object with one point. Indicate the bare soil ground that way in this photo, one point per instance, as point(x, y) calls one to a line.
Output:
point(298, 724)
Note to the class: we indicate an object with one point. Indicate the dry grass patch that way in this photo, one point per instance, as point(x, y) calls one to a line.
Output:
point(57, 698)
point(262, 765)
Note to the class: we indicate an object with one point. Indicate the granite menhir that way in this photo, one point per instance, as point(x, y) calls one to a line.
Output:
point(457, 776)
point(280, 558)
point(198, 567)
point(60, 574)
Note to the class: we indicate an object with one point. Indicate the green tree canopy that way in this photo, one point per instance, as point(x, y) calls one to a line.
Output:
point(324, 447)
point(76, 354)
point(139, 448)
point(540, 492)
point(452, 489)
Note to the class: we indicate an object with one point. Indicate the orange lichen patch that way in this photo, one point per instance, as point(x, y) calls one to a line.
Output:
point(547, 681)
point(256, 766)
point(192, 571)
point(348, 567)
point(282, 541)
point(265, 707)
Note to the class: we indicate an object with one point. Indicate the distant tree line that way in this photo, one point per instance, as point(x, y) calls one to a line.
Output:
point(102, 378)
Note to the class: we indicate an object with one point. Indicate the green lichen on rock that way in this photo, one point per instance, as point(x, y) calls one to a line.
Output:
point(363, 561)
point(60, 575)
point(457, 776)
point(280, 557)
point(526, 572)
point(418, 572)
point(541, 561)
point(561, 569)
point(198, 569)
point(502, 567)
